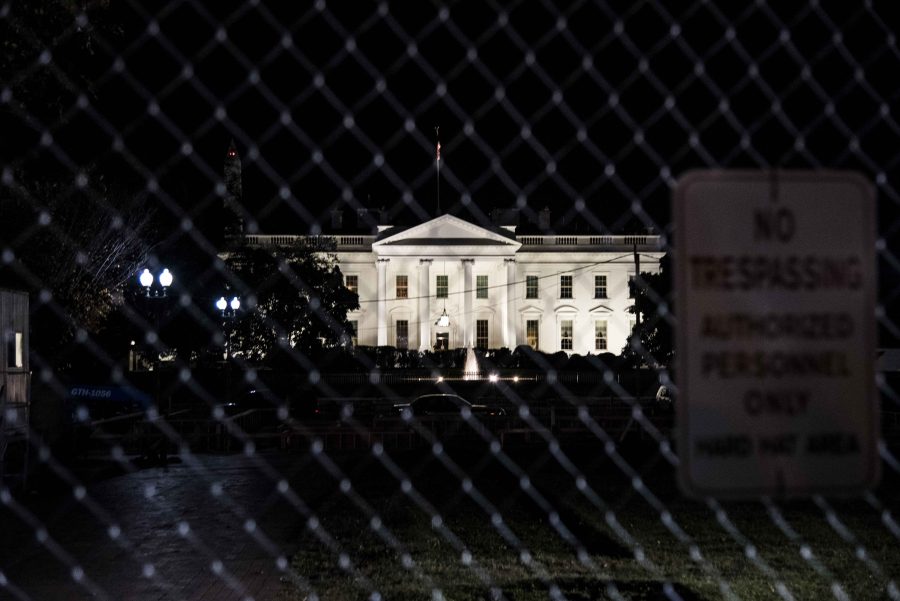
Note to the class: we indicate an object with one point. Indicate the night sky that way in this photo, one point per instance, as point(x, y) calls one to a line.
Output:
point(592, 111)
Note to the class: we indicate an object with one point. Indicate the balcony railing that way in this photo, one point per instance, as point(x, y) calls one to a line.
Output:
point(581, 242)
point(363, 242)
point(316, 242)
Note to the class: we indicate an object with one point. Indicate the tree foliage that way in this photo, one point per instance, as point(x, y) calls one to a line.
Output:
point(73, 247)
point(651, 342)
point(296, 303)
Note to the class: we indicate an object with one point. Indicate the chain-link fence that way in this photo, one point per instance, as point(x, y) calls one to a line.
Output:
point(336, 300)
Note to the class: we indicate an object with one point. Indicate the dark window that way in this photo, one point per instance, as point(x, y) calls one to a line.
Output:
point(565, 335)
point(402, 286)
point(531, 333)
point(352, 282)
point(481, 286)
point(599, 286)
point(600, 336)
point(565, 286)
point(354, 333)
point(481, 333)
point(402, 334)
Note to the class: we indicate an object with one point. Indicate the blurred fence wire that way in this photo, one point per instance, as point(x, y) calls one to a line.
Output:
point(155, 446)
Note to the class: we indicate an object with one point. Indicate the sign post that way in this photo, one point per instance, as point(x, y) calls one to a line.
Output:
point(775, 342)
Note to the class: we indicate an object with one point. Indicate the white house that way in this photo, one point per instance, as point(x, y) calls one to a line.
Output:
point(496, 285)
point(497, 289)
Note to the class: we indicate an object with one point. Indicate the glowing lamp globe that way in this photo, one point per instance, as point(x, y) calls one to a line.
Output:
point(146, 278)
point(165, 278)
point(221, 304)
point(235, 304)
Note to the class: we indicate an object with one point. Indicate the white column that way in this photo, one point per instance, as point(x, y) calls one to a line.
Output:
point(381, 268)
point(424, 304)
point(507, 307)
point(468, 319)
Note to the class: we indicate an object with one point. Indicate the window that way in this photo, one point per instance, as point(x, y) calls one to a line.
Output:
point(531, 286)
point(565, 335)
point(402, 334)
point(481, 286)
point(15, 350)
point(352, 282)
point(599, 286)
point(531, 333)
point(354, 333)
point(599, 335)
point(481, 333)
point(402, 286)
point(442, 341)
point(565, 286)
point(442, 286)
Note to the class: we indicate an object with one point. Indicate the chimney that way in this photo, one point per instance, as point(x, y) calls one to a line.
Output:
point(337, 219)
point(544, 219)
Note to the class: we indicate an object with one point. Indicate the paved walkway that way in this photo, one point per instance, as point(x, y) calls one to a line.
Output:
point(215, 530)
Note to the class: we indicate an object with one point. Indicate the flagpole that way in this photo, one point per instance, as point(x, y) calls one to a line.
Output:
point(437, 163)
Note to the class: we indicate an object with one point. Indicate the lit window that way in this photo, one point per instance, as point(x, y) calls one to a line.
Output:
point(352, 282)
point(565, 335)
point(15, 350)
point(402, 334)
point(481, 333)
point(442, 286)
point(402, 286)
point(531, 333)
point(600, 336)
point(565, 286)
point(531, 286)
point(599, 286)
point(481, 286)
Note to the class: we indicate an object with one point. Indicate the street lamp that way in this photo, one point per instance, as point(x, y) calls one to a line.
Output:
point(229, 310)
point(222, 305)
point(164, 280)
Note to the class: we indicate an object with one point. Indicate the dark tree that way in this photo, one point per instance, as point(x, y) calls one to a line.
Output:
point(73, 246)
point(296, 303)
point(651, 342)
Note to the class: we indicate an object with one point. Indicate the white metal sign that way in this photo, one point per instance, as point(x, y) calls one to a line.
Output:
point(775, 342)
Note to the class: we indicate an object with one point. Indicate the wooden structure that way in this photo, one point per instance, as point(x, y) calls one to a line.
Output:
point(15, 376)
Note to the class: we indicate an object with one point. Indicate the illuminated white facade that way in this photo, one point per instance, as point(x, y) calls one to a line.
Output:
point(499, 289)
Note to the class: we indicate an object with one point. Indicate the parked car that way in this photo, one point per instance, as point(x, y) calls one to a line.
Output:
point(446, 405)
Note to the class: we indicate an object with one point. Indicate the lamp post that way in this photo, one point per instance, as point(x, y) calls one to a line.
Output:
point(165, 279)
point(156, 289)
point(229, 310)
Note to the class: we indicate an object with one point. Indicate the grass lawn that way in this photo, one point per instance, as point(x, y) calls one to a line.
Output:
point(476, 533)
